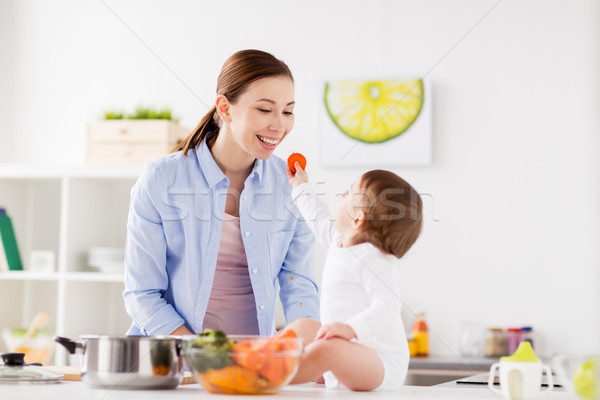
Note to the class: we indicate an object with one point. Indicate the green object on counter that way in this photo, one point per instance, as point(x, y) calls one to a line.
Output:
point(20, 332)
point(161, 356)
point(214, 351)
point(586, 380)
point(524, 353)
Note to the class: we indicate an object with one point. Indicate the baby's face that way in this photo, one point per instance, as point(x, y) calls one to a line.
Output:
point(348, 208)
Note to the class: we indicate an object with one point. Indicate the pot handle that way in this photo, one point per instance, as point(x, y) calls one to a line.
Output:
point(70, 345)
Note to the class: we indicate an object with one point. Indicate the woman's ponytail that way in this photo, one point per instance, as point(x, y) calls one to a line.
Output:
point(208, 128)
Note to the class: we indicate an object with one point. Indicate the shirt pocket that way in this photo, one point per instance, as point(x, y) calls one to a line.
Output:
point(279, 243)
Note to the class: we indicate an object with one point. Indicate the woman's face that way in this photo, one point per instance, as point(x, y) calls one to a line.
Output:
point(263, 115)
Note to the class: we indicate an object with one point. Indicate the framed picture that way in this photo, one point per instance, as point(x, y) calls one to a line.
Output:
point(376, 123)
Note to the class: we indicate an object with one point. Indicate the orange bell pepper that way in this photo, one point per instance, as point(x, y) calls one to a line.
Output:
point(248, 355)
point(232, 379)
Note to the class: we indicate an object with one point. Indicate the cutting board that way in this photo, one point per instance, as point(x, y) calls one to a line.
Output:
point(73, 373)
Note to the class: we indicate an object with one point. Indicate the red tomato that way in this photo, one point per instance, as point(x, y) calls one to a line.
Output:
point(296, 157)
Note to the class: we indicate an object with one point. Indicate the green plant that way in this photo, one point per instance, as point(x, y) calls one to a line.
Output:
point(114, 114)
point(150, 113)
point(140, 113)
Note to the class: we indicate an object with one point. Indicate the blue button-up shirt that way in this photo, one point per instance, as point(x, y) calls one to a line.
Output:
point(173, 234)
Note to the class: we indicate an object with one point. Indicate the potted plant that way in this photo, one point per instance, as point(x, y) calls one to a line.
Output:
point(133, 138)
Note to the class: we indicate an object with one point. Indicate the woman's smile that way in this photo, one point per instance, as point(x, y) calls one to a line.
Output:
point(262, 116)
point(268, 141)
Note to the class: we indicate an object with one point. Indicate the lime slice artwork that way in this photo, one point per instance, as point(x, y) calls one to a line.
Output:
point(374, 111)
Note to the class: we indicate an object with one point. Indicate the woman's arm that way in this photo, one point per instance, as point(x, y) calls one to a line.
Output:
point(298, 290)
point(146, 277)
point(181, 331)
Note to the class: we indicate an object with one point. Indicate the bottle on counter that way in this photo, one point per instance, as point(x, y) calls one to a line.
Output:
point(513, 338)
point(420, 335)
point(412, 345)
point(527, 334)
point(495, 342)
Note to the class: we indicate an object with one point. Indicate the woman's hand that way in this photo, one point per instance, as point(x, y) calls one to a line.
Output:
point(181, 331)
point(299, 177)
point(336, 330)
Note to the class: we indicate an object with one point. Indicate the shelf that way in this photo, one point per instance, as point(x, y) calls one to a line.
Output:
point(93, 277)
point(66, 210)
point(28, 171)
point(106, 226)
point(28, 276)
point(54, 276)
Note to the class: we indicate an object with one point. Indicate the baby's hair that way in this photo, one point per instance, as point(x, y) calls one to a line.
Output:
point(393, 212)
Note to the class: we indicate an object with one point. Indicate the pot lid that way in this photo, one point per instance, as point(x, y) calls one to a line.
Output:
point(15, 371)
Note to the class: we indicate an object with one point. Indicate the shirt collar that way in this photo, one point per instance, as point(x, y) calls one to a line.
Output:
point(213, 173)
point(208, 165)
point(259, 166)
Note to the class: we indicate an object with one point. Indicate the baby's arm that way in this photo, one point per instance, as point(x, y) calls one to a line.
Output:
point(335, 330)
point(312, 208)
point(297, 178)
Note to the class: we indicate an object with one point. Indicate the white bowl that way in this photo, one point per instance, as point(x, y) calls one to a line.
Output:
point(107, 259)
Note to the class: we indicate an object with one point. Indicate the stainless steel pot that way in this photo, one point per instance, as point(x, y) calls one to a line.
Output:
point(129, 362)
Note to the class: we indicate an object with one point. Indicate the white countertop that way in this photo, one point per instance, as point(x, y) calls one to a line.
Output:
point(79, 391)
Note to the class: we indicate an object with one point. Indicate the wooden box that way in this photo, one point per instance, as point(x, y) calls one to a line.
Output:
point(121, 142)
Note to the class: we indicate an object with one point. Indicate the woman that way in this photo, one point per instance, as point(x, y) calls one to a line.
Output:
point(211, 228)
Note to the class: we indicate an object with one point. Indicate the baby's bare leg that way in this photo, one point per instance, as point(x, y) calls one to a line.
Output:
point(356, 366)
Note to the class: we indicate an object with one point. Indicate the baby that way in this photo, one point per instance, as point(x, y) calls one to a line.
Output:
point(361, 342)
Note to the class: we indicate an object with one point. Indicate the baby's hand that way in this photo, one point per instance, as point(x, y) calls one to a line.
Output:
point(336, 330)
point(299, 177)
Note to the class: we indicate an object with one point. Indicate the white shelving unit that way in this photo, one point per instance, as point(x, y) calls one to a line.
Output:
point(66, 210)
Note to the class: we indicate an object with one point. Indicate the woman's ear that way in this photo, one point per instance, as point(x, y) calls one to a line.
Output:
point(222, 106)
point(358, 221)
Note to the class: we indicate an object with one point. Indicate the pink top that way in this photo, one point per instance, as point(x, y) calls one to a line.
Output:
point(232, 307)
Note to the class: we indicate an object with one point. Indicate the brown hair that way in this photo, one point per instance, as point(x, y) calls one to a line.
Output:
point(393, 212)
point(238, 72)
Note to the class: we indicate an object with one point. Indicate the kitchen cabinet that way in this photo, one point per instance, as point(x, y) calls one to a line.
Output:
point(67, 211)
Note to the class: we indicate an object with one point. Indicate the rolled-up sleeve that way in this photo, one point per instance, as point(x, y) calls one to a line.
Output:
point(146, 277)
point(299, 293)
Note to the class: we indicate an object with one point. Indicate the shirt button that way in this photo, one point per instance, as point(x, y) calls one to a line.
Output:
point(244, 197)
point(262, 306)
point(247, 234)
point(255, 271)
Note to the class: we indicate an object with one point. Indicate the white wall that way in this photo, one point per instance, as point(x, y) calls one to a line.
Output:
point(512, 218)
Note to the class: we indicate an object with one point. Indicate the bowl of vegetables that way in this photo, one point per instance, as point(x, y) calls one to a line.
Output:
point(243, 364)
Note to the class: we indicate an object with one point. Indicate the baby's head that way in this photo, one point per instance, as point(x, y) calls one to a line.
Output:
point(386, 211)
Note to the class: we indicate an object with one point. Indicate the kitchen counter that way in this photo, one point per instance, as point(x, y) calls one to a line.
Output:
point(452, 363)
point(432, 370)
point(79, 391)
